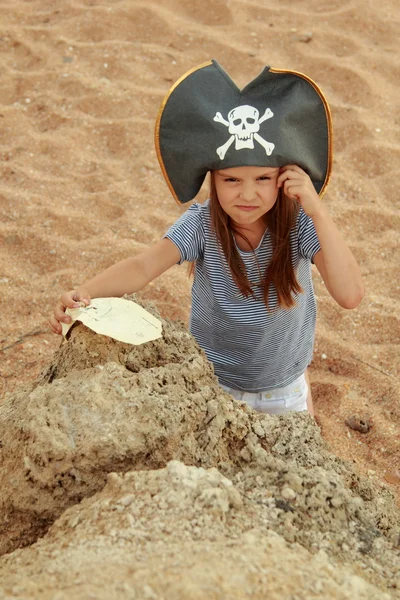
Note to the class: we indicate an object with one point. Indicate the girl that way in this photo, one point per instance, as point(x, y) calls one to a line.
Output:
point(252, 243)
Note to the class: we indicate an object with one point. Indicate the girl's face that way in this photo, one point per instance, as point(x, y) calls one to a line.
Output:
point(246, 194)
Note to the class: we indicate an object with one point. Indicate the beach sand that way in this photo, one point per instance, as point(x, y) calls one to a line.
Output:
point(80, 186)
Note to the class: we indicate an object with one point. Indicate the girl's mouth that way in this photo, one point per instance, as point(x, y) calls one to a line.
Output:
point(246, 208)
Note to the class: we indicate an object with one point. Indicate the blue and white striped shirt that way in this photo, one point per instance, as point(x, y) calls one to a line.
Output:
point(252, 349)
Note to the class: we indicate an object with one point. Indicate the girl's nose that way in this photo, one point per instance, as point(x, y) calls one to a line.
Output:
point(247, 192)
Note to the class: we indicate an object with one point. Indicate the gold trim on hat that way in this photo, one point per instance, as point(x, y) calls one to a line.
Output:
point(158, 123)
point(328, 118)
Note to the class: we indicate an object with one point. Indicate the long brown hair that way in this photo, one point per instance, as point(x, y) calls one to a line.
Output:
point(280, 272)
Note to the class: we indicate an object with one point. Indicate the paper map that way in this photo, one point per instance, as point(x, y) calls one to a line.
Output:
point(117, 318)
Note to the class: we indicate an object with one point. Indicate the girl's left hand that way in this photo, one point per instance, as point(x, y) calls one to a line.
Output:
point(298, 186)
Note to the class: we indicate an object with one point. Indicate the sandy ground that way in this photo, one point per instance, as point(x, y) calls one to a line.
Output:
point(80, 186)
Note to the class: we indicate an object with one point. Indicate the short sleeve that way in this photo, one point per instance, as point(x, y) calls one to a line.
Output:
point(187, 233)
point(307, 236)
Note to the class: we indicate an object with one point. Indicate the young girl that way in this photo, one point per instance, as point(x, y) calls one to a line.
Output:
point(253, 242)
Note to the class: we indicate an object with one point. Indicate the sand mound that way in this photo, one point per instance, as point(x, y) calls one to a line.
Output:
point(179, 532)
point(103, 407)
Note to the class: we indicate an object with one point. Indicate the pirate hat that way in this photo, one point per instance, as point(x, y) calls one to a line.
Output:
point(206, 122)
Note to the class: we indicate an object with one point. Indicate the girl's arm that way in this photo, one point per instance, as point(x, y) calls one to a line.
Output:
point(125, 277)
point(335, 261)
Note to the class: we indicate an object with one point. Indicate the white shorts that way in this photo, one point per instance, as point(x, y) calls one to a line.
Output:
point(278, 401)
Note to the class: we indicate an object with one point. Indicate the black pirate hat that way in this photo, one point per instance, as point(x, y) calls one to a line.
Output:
point(206, 122)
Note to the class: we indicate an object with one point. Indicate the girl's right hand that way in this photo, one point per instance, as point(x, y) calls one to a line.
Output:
point(71, 299)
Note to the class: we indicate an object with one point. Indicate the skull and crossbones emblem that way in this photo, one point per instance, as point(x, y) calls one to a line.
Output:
point(243, 124)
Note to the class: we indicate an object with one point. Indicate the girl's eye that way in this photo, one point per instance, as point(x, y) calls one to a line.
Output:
point(264, 178)
point(230, 179)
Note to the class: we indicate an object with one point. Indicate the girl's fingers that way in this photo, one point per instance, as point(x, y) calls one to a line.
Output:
point(293, 193)
point(70, 300)
point(291, 187)
point(59, 314)
point(292, 172)
point(293, 168)
point(79, 297)
point(289, 176)
point(66, 301)
point(73, 299)
point(55, 326)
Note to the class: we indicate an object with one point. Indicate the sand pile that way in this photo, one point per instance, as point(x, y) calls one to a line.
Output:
point(203, 484)
point(179, 532)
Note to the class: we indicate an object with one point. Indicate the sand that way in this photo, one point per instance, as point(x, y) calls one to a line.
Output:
point(80, 187)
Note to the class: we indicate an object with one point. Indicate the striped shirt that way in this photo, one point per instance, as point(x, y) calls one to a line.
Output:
point(252, 349)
